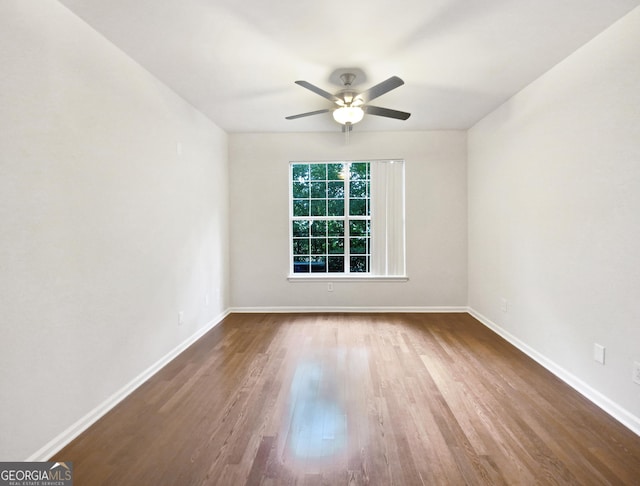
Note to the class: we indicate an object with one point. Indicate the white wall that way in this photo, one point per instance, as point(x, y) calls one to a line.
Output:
point(435, 214)
point(106, 231)
point(554, 216)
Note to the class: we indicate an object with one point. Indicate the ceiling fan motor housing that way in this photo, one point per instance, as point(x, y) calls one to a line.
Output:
point(347, 78)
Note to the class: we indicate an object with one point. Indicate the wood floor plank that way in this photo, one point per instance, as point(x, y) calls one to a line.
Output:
point(354, 399)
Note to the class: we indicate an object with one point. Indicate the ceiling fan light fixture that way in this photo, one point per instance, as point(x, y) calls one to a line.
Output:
point(348, 114)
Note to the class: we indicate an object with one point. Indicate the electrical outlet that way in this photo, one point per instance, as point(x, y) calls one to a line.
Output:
point(598, 353)
point(504, 305)
point(180, 318)
point(636, 372)
point(330, 287)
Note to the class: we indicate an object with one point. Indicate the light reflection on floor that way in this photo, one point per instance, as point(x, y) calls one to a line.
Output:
point(318, 419)
point(326, 407)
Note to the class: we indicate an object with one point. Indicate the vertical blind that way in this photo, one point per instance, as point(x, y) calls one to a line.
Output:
point(387, 218)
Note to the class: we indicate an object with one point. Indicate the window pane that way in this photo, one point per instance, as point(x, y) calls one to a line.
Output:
point(318, 246)
point(335, 228)
point(358, 245)
point(301, 264)
point(358, 189)
point(357, 207)
point(359, 228)
point(318, 190)
point(336, 264)
point(318, 264)
point(319, 207)
point(300, 189)
point(359, 263)
point(336, 190)
point(300, 207)
point(335, 207)
point(336, 245)
point(318, 172)
point(300, 228)
point(335, 172)
point(319, 228)
point(301, 246)
point(300, 172)
point(359, 171)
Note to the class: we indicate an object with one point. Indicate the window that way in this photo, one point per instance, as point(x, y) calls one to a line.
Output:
point(347, 218)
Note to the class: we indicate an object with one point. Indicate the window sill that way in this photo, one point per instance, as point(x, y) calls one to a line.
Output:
point(336, 277)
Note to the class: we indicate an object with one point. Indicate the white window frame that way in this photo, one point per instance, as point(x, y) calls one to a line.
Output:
point(346, 218)
point(389, 263)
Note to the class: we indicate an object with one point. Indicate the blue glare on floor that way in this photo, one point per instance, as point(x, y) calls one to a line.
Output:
point(318, 422)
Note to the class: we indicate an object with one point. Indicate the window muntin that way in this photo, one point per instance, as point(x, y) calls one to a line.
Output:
point(331, 217)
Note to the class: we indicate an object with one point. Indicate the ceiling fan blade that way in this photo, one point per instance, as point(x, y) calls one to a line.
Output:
point(376, 110)
point(317, 90)
point(310, 113)
point(379, 89)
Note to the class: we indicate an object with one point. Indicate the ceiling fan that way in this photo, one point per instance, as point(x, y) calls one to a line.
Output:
point(350, 106)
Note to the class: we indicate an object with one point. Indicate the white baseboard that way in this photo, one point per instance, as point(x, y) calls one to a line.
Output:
point(301, 309)
point(64, 438)
point(616, 411)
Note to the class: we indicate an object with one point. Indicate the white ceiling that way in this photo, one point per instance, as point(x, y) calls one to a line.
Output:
point(236, 61)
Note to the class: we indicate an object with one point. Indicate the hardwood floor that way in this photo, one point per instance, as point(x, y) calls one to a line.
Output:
point(382, 399)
